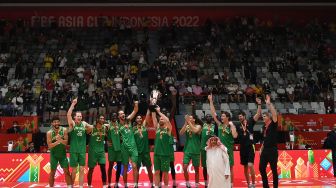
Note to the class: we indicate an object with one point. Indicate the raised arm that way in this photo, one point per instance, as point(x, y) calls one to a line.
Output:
point(233, 129)
point(144, 123)
point(135, 111)
point(258, 114)
point(271, 108)
point(213, 110)
point(88, 127)
point(165, 119)
point(184, 128)
point(71, 122)
point(155, 121)
point(196, 129)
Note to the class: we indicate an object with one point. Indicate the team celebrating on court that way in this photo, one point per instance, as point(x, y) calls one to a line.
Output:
point(209, 143)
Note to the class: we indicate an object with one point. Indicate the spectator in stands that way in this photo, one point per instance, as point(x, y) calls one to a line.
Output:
point(62, 61)
point(134, 90)
point(18, 69)
point(48, 62)
point(102, 104)
point(93, 106)
point(298, 92)
point(4, 90)
point(27, 83)
point(31, 148)
point(18, 104)
point(197, 90)
point(3, 74)
point(14, 129)
point(329, 104)
point(80, 70)
point(182, 90)
point(37, 88)
point(74, 87)
point(290, 92)
point(281, 93)
point(232, 91)
point(241, 92)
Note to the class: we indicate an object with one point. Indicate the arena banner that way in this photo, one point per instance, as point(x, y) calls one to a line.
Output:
point(292, 164)
point(155, 17)
point(28, 124)
point(313, 139)
point(306, 122)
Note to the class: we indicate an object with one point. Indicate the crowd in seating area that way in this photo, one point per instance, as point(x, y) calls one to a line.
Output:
point(43, 68)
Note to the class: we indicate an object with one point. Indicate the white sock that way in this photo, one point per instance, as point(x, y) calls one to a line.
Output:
point(152, 184)
point(188, 184)
point(136, 184)
point(81, 186)
point(197, 184)
point(104, 186)
point(69, 186)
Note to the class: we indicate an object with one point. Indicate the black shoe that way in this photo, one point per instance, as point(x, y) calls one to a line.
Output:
point(108, 186)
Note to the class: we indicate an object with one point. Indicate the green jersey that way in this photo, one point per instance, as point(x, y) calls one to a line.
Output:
point(141, 139)
point(225, 136)
point(59, 150)
point(162, 140)
point(97, 139)
point(171, 145)
point(207, 131)
point(127, 136)
point(193, 142)
point(113, 135)
point(78, 139)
